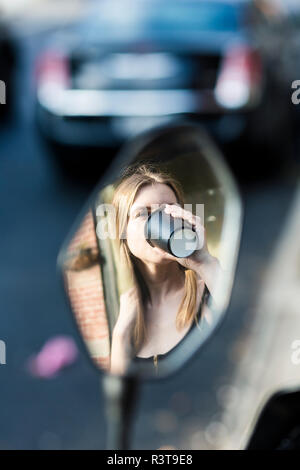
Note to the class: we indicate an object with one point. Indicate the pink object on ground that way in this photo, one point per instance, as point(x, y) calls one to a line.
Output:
point(57, 353)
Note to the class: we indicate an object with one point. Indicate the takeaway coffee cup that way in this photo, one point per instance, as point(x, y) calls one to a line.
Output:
point(173, 235)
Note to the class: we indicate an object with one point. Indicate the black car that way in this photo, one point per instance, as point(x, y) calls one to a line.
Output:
point(129, 66)
point(8, 58)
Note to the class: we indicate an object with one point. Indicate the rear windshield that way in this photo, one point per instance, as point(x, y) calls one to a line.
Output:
point(162, 18)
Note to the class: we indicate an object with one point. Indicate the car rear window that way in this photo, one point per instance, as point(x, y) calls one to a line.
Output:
point(161, 18)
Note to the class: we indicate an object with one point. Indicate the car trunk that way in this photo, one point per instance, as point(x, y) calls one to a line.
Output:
point(146, 70)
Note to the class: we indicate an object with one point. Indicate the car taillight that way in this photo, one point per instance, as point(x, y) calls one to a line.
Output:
point(52, 69)
point(240, 78)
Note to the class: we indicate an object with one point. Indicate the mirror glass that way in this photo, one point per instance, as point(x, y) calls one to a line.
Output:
point(149, 266)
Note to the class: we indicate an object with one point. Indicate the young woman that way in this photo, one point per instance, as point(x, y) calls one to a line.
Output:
point(158, 311)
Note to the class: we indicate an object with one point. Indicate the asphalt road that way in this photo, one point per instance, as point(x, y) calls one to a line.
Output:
point(37, 210)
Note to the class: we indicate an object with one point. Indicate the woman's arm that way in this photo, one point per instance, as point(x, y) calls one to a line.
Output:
point(122, 349)
point(121, 352)
point(208, 269)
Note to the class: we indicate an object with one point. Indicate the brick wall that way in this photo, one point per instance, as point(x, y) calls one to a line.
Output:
point(84, 286)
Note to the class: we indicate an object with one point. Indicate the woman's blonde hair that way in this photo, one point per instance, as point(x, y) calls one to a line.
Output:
point(131, 181)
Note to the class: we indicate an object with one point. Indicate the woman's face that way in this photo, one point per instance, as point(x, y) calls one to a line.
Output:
point(147, 196)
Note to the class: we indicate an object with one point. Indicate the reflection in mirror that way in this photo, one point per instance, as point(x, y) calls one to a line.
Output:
point(83, 282)
point(149, 270)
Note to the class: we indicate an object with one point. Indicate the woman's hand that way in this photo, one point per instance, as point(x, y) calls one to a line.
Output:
point(201, 261)
point(201, 253)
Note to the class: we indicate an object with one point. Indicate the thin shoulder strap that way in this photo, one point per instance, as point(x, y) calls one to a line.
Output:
point(203, 301)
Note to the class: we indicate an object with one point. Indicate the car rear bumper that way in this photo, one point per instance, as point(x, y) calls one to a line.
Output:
point(107, 118)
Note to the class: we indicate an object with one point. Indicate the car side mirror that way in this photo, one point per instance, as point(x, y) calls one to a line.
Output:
point(129, 323)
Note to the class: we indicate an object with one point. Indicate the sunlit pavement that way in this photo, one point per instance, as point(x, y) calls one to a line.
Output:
point(38, 208)
point(269, 361)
